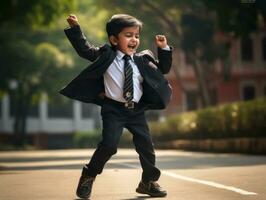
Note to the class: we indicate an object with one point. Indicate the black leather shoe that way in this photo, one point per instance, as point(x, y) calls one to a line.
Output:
point(151, 188)
point(85, 186)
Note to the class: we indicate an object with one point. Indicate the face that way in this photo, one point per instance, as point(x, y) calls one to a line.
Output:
point(127, 40)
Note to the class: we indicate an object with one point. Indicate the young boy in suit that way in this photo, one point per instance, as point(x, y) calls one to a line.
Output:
point(125, 84)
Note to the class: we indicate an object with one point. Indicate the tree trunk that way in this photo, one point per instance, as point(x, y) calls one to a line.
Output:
point(202, 85)
point(18, 99)
point(22, 102)
point(176, 68)
point(24, 115)
point(20, 125)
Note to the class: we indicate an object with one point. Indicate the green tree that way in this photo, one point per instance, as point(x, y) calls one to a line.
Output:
point(33, 13)
point(238, 17)
point(36, 56)
point(32, 69)
point(29, 65)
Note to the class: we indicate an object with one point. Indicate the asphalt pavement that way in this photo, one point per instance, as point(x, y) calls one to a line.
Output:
point(53, 175)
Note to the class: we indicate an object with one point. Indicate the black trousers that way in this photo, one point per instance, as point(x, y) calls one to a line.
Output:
point(115, 117)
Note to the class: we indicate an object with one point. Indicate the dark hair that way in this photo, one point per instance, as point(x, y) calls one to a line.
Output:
point(120, 21)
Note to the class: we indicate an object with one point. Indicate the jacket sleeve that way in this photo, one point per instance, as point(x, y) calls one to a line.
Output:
point(81, 45)
point(164, 61)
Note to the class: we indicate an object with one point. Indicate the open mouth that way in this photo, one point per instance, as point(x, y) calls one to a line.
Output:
point(131, 47)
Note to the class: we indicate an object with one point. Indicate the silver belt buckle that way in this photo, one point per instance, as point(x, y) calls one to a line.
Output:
point(129, 105)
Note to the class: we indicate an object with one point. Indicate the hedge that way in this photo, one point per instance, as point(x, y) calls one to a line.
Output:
point(240, 119)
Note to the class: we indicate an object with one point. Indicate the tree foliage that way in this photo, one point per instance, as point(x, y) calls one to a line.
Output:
point(33, 13)
point(238, 17)
point(35, 54)
point(28, 64)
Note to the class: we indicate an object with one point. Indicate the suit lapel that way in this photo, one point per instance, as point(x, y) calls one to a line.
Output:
point(139, 62)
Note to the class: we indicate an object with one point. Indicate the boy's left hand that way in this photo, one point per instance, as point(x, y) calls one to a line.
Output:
point(161, 41)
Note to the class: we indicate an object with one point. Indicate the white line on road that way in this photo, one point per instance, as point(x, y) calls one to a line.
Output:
point(204, 182)
point(209, 183)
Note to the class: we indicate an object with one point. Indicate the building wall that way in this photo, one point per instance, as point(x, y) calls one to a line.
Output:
point(228, 92)
point(245, 75)
point(43, 124)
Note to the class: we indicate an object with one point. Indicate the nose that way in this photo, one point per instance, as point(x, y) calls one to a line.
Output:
point(135, 39)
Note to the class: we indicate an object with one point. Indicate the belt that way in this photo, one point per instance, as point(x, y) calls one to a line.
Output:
point(129, 105)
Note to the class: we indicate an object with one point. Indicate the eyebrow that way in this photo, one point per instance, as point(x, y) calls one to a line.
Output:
point(131, 33)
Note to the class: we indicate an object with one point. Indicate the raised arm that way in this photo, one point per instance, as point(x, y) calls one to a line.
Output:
point(164, 54)
point(79, 41)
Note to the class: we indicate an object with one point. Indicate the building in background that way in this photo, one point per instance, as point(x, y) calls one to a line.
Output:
point(50, 124)
point(247, 77)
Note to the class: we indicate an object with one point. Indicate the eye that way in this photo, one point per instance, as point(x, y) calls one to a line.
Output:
point(128, 35)
point(137, 36)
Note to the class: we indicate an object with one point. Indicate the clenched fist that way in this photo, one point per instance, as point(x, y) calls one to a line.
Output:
point(161, 41)
point(72, 20)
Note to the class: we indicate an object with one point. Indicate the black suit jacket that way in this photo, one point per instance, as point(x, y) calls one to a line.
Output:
point(88, 86)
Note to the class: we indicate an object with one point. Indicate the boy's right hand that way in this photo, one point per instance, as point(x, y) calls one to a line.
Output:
point(72, 20)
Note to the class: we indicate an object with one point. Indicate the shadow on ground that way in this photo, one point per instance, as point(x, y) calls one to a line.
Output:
point(179, 161)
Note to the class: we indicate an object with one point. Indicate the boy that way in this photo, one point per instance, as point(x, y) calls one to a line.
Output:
point(125, 84)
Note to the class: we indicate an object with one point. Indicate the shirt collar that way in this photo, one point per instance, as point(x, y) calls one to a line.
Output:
point(120, 55)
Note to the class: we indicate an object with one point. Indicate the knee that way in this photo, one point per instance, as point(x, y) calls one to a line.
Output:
point(110, 150)
point(141, 142)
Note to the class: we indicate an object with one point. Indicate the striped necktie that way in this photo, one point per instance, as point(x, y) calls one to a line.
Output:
point(128, 90)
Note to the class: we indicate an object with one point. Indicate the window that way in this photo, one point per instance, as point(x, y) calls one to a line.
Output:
point(213, 97)
point(12, 104)
point(264, 48)
point(32, 111)
point(249, 92)
point(1, 102)
point(191, 100)
point(61, 107)
point(88, 110)
point(246, 49)
point(152, 115)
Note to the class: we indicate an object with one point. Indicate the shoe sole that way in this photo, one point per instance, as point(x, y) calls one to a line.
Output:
point(141, 191)
point(83, 196)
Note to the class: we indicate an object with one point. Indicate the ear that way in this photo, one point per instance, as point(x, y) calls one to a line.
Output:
point(113, 40)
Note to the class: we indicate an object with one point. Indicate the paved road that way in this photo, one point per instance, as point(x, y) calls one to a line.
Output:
point(53, 175)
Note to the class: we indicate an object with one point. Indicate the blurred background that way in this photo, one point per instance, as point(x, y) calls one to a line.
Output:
point(218, 74)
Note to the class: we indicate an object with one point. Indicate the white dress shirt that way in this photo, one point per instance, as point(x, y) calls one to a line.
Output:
point(114, 78)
